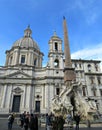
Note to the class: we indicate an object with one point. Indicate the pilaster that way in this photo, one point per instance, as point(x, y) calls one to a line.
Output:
point(47, 95)
point(4, 96)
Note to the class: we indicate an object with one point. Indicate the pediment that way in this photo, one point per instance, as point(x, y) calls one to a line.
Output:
point(18, 74)
point(17, 90)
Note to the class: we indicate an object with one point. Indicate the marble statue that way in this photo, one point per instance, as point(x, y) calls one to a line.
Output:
point(61, 104)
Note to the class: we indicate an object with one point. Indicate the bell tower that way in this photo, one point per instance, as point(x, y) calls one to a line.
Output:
point(55, 52)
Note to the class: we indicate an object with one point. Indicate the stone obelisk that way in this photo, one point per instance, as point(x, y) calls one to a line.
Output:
point(69, 73)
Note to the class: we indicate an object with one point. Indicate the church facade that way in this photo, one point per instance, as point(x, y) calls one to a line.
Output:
point(25, 85)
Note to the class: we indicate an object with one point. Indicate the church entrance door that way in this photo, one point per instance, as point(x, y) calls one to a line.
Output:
point(37, 106)
point(16, 103)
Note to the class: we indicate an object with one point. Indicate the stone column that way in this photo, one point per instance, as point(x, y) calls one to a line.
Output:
point(29, 58)
point(47, 95)
point(43, 96)
point(10, 97)
point(4, 96)
point(60, 47)
point(33, 97)
point(37, 61)
point(51, 47)
point(27, 98)
point(30, 97)
point(51, 62)
point(52, 91)
point(13, 58)
point(61, 62)
point(24, 97)
point(40, 61)
point(17, 57)
point(32, 59)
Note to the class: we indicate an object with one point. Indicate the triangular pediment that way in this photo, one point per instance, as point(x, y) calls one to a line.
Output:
point(18, 74)
point(17, 90)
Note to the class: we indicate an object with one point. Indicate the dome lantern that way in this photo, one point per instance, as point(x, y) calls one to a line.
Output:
point(27, 32)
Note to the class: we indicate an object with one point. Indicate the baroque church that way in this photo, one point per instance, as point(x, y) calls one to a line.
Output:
point(25, 85)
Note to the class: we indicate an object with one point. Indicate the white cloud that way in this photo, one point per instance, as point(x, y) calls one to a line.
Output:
point(94, 53)
point(88, 9)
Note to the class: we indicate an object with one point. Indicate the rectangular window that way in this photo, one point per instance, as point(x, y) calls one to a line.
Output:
point(57, 91)
point(23, 59)
point(37, 106)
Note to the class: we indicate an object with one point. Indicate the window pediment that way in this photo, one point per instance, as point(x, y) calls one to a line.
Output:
point(17, 90)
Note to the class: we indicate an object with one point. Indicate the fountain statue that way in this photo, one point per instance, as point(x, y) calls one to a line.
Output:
point(70, 100)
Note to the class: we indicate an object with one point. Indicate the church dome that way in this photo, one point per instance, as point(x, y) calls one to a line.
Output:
point(26, 41)
point(25, 51)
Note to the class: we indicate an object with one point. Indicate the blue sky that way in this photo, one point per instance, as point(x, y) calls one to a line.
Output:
point(84, 22)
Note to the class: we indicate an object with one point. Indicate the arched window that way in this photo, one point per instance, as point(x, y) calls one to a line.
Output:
point(56, 63)
point(89, 67)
